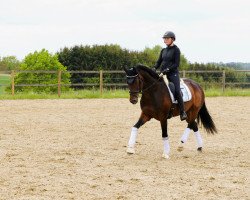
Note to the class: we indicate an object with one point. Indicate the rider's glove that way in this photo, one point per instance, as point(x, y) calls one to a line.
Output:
point(165, 71)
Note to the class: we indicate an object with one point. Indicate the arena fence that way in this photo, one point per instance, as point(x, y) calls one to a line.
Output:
point(116, 79)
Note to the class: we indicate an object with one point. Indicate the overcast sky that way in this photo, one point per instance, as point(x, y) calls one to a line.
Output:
point(206, 30)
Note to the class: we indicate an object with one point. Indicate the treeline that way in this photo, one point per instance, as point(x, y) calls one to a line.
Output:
point(109, 57)
point(235, 65)
point(113, 57)
point(105, 57)
point(213, 76)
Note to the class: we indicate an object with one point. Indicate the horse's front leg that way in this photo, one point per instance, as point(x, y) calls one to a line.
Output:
point(132, 140)
point(166, 147)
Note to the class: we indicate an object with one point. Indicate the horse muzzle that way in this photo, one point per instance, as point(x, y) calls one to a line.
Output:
point(133, 99)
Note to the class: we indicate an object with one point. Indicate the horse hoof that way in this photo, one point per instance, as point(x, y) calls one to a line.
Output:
point(166, 156)
point(180, 147)
point(199, 149)
point(130, 150)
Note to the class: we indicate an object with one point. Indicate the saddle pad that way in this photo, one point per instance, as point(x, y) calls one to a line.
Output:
point(187, 96)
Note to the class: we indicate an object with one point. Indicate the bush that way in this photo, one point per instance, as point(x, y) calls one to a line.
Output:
point(42, 60)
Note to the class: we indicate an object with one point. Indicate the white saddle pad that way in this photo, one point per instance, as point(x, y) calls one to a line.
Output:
point(187, 96)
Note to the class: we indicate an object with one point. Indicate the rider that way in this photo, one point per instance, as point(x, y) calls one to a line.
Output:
point(169, 61)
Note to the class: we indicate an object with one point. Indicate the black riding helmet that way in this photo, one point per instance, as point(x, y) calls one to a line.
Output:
point(169, 34)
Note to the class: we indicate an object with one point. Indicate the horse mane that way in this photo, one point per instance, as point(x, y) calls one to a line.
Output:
point(148, 70)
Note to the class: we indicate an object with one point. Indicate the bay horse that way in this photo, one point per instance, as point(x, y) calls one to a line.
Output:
point(156, 103)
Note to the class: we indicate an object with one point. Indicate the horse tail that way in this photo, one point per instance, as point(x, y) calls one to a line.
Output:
point(206, 120)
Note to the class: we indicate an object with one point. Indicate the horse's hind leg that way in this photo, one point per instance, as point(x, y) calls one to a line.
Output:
point(184, 138)
point(134, 131)
point(197, 134)
point(192, 125)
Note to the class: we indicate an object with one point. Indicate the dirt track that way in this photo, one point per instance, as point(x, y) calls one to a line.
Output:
point(76, 149)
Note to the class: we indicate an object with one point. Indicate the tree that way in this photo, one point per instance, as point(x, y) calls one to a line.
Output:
point(9, 63)
point(184, 64)
point(42, 60)
point(153, 54)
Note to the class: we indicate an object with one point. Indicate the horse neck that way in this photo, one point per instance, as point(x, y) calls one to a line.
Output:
point(147, 81)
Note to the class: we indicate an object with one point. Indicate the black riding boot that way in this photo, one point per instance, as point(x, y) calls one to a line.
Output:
point(183, 114)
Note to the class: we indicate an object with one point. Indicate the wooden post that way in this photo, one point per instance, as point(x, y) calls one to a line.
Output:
point(59, 82)
point(101, 82)
point(184, 74)
point(223, 81)
point(12, 82)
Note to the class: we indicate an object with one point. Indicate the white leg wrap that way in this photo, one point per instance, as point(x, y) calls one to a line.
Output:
point(166, 146)
point(132, 139)
point(185, 135)
point(198, 138)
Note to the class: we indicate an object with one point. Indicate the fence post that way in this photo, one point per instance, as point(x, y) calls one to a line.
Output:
point(12, 82)
point(59, 82)
point(183, 74)
point(101, 82)
point(223, 81)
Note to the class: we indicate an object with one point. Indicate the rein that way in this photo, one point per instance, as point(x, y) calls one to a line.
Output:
point(140, 91)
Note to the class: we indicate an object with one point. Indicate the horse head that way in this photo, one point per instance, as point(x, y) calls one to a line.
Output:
point(134, 84)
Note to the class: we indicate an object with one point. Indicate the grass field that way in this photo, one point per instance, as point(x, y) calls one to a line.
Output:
point(4, 81)
point(110, 94)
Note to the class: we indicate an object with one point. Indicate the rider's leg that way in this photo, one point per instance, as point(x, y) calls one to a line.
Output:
point(183, 114)
point(174, 78)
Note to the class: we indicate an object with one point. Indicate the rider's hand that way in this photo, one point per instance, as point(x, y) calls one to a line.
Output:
point(165, 71)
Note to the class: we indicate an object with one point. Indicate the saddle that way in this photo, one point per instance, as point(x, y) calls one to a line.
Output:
point(185, 92)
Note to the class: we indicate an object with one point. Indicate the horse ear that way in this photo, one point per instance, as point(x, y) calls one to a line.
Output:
point(134, 69)
point(125, 69)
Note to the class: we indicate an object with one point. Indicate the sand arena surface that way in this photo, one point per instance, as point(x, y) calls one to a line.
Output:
point(76, 149)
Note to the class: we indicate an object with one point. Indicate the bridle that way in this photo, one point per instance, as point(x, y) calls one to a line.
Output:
point(139, 90)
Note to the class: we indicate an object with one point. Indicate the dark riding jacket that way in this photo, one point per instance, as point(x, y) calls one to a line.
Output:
point(169, 59)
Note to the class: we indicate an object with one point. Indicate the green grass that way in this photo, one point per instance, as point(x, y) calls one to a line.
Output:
point(4, 82)
point(110, 94)
point(212, 92)
point(81, 94)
